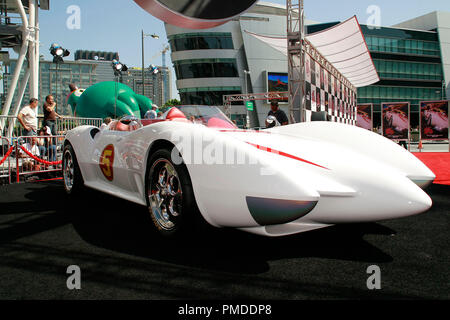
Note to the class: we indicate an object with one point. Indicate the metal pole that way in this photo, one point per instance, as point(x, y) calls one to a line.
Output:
point(115, 96)
point(22, 88)
point(246, 92)
point(143, 76)
point(32, 49)
point(56, 85)
point(19, 63)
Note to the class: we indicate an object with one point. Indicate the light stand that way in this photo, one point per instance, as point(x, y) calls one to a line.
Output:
point(58, 53)
point(118, 67)
point(143, 35)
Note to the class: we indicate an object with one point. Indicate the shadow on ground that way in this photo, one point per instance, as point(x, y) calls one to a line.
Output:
point(125, 227)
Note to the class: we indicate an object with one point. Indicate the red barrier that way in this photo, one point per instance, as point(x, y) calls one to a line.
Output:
point(7, 155)
point(50, 163)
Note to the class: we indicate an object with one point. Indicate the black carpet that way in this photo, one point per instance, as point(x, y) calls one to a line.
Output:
point(42, 232)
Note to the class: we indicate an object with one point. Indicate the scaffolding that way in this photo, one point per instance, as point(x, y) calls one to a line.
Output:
point(29, 48)
point(295, 53)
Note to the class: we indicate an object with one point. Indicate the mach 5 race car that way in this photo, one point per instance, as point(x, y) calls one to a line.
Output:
point(196, 164)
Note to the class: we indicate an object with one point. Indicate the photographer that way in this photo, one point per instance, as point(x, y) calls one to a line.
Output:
point(50, 114)
point(276, 112)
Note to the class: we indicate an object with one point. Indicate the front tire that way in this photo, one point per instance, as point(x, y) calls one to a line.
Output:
point(73, 180)
point(170, 197)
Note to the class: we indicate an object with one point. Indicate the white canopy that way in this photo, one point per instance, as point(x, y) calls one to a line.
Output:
point(344, 46)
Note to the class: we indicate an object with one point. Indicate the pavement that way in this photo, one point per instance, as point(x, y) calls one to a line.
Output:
point(43, 232)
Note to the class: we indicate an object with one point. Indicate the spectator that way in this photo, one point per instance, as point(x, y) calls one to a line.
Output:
point(151, 114)
point(33, 148)
point(42, 141)
point(105, 123)
point(50, 114)
point(45, 144)
point(277, 113)
point(28, 119)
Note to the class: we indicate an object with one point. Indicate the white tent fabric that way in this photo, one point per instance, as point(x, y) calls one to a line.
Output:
point(344, 46)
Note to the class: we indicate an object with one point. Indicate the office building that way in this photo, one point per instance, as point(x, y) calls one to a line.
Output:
point(412, 60)
point(54, 79)
point(157, 85)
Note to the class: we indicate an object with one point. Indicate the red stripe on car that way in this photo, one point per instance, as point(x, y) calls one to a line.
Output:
point(284, 154)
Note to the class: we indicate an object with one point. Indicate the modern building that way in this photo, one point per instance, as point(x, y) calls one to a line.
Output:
point(414, 65)
point(101, 59)
point(96, 55)
point(412, 60)
point(55, 79)
point(156, 86)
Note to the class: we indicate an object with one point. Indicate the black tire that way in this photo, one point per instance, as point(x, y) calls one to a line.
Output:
point(73, 180)
point(173, 209)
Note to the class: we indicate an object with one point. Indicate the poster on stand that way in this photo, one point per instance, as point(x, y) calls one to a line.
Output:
point(364, 116)
point(434, 120)
point(395, 124)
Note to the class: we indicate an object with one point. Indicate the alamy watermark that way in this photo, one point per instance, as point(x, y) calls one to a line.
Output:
point(374, 19)
point(74, 280)
point(200, 147)
point(73, 22)
point(374, 280)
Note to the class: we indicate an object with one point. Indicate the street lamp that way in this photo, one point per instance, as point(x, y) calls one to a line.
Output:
point(246, 73)
point(143, 35)
point(58, 53)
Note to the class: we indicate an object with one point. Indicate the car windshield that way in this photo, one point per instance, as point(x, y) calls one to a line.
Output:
point(210, 116)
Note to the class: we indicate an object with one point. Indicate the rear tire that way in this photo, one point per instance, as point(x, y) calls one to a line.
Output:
point(170, 197)
point(73, 180)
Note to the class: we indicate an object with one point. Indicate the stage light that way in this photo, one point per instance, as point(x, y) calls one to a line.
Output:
point(58, 53)
point(118, 67)
point(154, 69)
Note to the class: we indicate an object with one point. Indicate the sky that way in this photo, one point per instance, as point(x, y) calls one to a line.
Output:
point(115, 25)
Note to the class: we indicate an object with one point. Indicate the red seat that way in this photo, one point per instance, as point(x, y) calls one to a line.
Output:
point(175, 113)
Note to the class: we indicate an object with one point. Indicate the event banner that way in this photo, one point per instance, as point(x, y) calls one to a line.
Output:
point(434, 120)
point(395, 120)
point(364, 117)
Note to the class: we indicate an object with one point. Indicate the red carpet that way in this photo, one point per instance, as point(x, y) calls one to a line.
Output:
point(439, 163)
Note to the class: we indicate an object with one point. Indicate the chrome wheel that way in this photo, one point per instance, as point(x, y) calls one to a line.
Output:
point(165, 194)
point(68, 170)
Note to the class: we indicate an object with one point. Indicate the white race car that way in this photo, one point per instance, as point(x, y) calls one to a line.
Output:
point(195, 163)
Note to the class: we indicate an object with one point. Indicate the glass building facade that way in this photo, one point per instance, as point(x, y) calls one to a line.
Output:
point(200, 41)
point(410, 68)
point(208, 95)
point(156, 87)
point(409, 64)
point(204, 68)
point(54, 79)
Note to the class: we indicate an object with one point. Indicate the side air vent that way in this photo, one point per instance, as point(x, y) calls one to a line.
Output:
point(94, 131)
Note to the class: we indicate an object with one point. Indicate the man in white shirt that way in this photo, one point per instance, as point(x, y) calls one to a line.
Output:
point(28, 119)
point(151, 114)
point(32, 147)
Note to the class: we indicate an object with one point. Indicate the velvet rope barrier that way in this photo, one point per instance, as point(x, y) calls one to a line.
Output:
point(50, 163)
point(7, 155)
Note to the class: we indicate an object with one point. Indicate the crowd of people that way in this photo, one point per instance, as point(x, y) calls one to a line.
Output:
point(38, 141)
